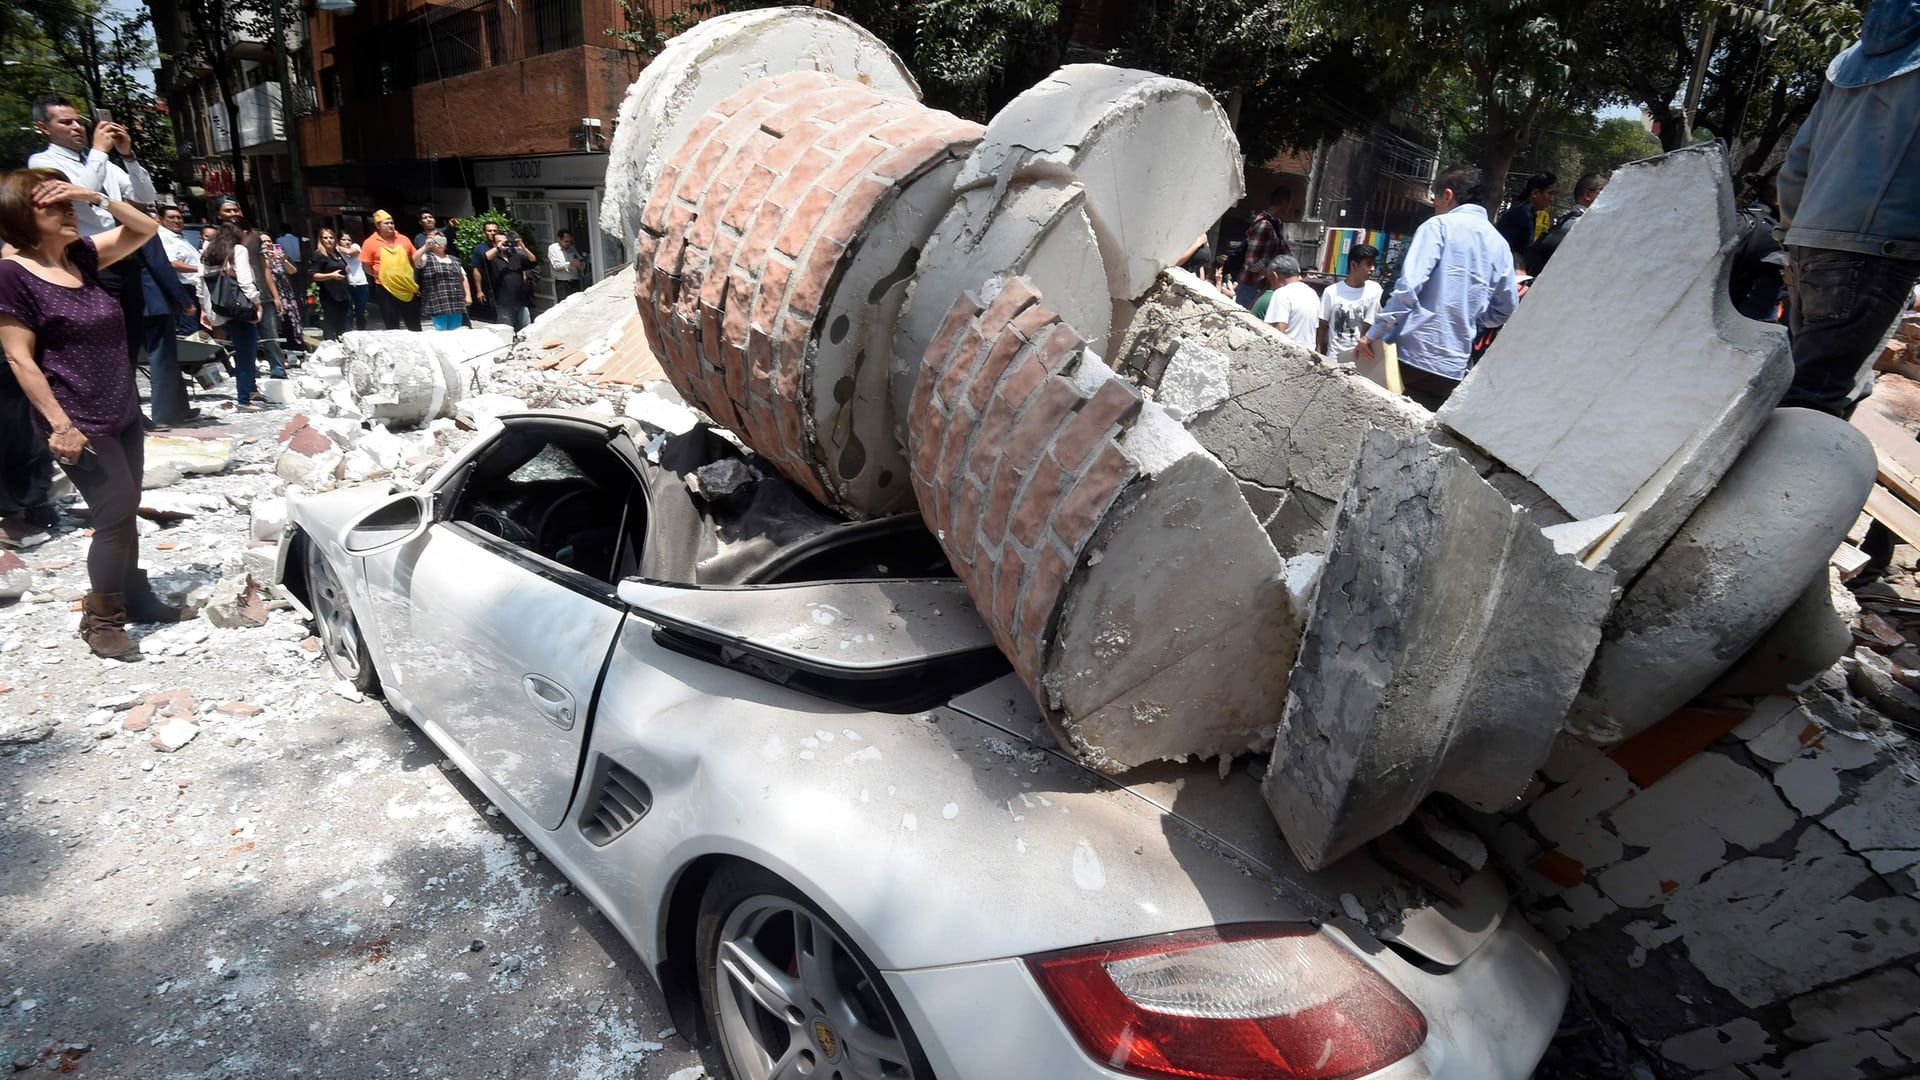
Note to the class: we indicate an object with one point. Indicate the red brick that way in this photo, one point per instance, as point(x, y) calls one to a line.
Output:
point(748, 199)
point(790, 86)
point(1089, 497)
point(654, 216)
point(1006, 598)
point(964, 498)
point(816, 276)
point(963, 311)
point(851, 164)
point(856, 206)
point(1059, 349)
point(847, 105)
point(863, 124)
point(803, 108)
point(746, 154)
point(1020, 381)
point(1045, 581)
point(766, 222)
point(916, 157)
point(1034, 428)
point(1113, 402)
point(698, 173)
point(1660, 749)
point(952, 382)
point(771, 296)
point(720, 264)
point(994, 425)
point(738, 308)
point(1030, 323)
point(733, 366)
point(1035, 503)
point(1000, 495)
point(790, 352)
point(1014, 296)
point(760, 357)
point(955, 445)
point(804, 174)
point(923, 442)
point(905, 128)
point(981, 384)
point(801, 221)
point(1561, 869)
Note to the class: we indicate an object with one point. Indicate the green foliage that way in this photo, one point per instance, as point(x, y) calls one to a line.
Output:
point(643, 33)
point(472, 230)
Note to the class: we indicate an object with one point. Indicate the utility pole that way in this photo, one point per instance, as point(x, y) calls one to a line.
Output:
point(282, 71)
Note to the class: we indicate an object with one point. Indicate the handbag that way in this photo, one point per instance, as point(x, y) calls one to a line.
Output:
point(226, 299)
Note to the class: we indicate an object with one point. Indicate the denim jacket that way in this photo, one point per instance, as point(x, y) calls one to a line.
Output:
point(1851, 181)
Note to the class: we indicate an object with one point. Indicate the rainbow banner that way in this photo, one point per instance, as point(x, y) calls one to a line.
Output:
point(1337, 242)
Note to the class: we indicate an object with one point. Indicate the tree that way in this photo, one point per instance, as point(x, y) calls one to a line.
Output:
point(1764, 66)
point(210, 31)
point(1521, 58)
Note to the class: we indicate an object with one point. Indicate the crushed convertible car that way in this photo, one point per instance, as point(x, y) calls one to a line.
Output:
point(781, 753)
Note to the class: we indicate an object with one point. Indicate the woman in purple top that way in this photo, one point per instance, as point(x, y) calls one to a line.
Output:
point(65, 341)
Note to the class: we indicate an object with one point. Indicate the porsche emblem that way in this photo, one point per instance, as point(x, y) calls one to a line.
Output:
point(823, 1035)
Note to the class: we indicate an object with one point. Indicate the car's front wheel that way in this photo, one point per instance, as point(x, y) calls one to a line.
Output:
point(787, 995)
point(339, 631)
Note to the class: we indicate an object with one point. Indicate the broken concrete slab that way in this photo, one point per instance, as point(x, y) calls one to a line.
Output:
point(16, 579)
point(712, 61)
point(1287, 424)
point(1815, 630)
point(1586, 394)
point(407, 378)
point(774, 251)
point(1157, 157)
point(1070, 508)
point(1746, 553)
point(308, 458)
point(1445, 643)
point(170, 457)
point(1036, 229)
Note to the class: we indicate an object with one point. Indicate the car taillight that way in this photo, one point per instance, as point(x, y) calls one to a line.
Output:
point(1231, 1002)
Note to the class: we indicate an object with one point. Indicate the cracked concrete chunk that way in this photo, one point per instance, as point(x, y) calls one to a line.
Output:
point(1883, 821)
point(1739, 562)
point(1157, 155)
point(1871, 1001)
point(1686, 822)
point(712, 60)
point(1861, 1055)
point(1443, 648)
point(1737, 1042)
point(409, 378)
point(1764, 929)
point(1288, 424)
point(1631, 391)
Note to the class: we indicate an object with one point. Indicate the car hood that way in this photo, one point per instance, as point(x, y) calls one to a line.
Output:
point(1357, 892)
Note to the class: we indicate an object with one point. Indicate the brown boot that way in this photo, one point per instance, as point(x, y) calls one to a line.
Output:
point(103, 626)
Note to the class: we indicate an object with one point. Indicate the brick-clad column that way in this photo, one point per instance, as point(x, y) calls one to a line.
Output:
point(781, 194)
point(1113, 558)
point(1013, 462)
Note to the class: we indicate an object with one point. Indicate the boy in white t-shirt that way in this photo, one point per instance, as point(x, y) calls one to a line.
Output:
point(1294, 309)
point(1349, 307)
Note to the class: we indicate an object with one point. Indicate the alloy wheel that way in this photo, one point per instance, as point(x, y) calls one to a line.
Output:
point(796, 1001)
point(339, 632)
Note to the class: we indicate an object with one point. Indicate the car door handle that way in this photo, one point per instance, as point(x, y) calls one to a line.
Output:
point(551, 699)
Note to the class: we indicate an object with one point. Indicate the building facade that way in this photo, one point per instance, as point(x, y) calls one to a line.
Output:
point(464, 105)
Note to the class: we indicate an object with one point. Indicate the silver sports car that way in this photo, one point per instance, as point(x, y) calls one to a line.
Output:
point(781, 753)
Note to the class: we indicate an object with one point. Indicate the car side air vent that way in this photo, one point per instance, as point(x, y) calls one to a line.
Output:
point(616, 800)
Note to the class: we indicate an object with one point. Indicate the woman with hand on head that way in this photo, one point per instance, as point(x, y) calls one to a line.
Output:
point(65, 341)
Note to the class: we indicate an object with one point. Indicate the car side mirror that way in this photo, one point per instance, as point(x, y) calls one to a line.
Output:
point(843, 630)
point(397, 521)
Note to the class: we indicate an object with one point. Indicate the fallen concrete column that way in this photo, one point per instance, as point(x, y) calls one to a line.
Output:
point(1745, 555)
point(1446, 641)
point(1110, 554)
point(714, 60)
point(776, 248)
point(1627, 382)
point(407, 378)
point(1157, 157)
point(1815, 631)
point(1285, 423)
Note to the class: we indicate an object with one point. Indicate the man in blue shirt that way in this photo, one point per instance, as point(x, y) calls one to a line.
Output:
point(1456, 279)
point(1850, 204)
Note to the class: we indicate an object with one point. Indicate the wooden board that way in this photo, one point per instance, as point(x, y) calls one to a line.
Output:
point(1889, 510)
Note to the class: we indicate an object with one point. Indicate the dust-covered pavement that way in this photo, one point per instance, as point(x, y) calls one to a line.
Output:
point(305, 889)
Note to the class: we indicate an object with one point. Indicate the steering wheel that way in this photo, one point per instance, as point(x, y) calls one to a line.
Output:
point(546, 518)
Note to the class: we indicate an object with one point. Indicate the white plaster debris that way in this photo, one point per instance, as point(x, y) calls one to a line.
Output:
point(1196, 381)
point(1578, 538)
point(1088, 872)
point(1649, 440)
point(1157, 156)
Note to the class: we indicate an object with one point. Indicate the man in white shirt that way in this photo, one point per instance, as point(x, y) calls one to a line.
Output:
point(1294, 309)
point(68, 153)
point(185, 259)
point(1349, 306)
point(566, 265)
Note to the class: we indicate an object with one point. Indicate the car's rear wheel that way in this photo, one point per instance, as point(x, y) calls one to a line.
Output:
point(787, 995)
point(340, 638)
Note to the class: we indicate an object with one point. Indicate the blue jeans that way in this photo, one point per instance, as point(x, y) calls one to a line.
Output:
point(357, 297)
point(1245, 294)
point(449, 320)
point(245, 339)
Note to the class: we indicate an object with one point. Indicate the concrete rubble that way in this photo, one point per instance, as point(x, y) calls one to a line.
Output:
point(1580, 394)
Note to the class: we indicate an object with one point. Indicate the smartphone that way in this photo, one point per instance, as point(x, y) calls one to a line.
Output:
point(103, 116)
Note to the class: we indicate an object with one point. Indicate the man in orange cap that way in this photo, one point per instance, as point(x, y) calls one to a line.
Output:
point(390, 257)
